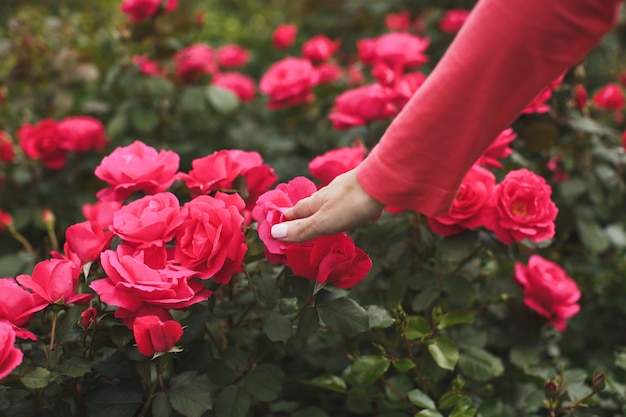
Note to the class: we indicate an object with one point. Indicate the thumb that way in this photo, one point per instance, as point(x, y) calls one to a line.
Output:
point(296, 231)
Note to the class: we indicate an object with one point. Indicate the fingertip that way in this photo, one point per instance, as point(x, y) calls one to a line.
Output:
point(279, 231)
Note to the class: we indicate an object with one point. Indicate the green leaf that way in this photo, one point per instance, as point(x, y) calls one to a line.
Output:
point(444, 352)
point(425, 298)
point(457, 247)
point(192, 100)
point(265, 290)
point(161, 406)
point(190, 397)
point(421, 399)
point(233, 401)
point(160, 88)
point(308, 323)
point(116, 125)
point(591, 235)
point(222, 99)
point(144, 120)
point(480, 365)
point(572, 189)
point(113, 400)
point(417, 327)
point(455, 318)
point(523, 356)
point(367, 368)
point(14, 264)
point(359, 406)
point(403, 365)
point(264, 383)
point(463, 412)
point(379, 317)
point(121, 335)
point(330, 382)
point(397, 387)
point(38, 378)
point(344, 315)
point(277, 327)
point(75, 367)
point(310, 412)
point(428, 413)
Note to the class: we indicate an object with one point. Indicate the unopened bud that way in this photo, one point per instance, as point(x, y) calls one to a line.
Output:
point(88, 317)
point(6, 221)
point(598, 383)
point(48, 217)
point(550, 389)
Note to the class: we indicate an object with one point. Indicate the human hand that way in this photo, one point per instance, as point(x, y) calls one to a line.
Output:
point(340, 206)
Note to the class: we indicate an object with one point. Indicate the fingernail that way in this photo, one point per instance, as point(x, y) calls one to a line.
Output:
point(279, 231)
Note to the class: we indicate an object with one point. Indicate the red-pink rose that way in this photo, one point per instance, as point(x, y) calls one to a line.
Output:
point(56, 281)
point(366, 49)
point(87, 240)
point(548, 290)
point(195, 61)
point(467, 208)
point(43, 141)
point(270, 208)
point(406, 86)
point(521, 208)
point(136, 167)
point(10, 356)
point(232, 56)
point(289, 82)
point(148, 221)
point(609, 97)
point(243, 86)
point(138, 10)
point(401, 50)
point(101, 212)
point(284, 36)
point(327, 166)
point(452, 20)
point(89, 317)
point(328, 72)
point(211, 240)
point(361, 105)
point(7, 153)
point(18, 306)
point(82, 134)
point(330, 259)
point(498, 149)
point(539, 103)
point(580, 96)
point(400, 22)
point(147, 66)
point(155, 336)
point(319, 48)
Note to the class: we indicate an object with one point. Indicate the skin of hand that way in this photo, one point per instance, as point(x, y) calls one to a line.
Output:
point(340, 206)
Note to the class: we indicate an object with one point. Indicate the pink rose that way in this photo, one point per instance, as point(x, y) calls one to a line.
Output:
point(539, 103)
point(269, 211)
point(401, 50)
point(328, 73)
point(498, 149)
point(319, 48)
point(82, 134)
point(384, 74)
point(101, 212)
point(10, 356)
point(452, 20)
point(149, 221)
point(289, 82)
point(18, 306)
point(43, 141)
point(211, 240)
point(232, 56)
point(330, 259)
point(406, 86)
point(241, 85)
point(467, 208)
point(136, 167)
point(56, 281)
point(521, 208)
point(366, 49)
point(361, 105)
point(138, 10)
point(7, 153)
point(147, 66)
point(400, 22)
point(580, 96)
point(87, 240)
point(327, 166)
point(89, 317)
point(284, 36)
point(195, 61)
point(548, 290)
point(155, 336)
point(609, 97)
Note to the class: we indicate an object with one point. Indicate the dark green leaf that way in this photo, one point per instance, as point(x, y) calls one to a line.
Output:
point(344, 315)
point(403, 365)
point(457, 247)
point(359, 406)
point(379, 316)
point(310, 412)
point(75, 367)
point(425, 298)
point(524, 355)
point(160, 88)
point(191, 399)
point(330, 382)
point(417, 327)
point(38, 378)
point(192, 100)
point(397, 387)
point(117, 125)
point(113, 400)
point(277, 327)
point(233, 401)
point(591, 235)
point(455, 318)
point(480, 365)
point(421, 399)
point(444, 352)
point(264, 383)
point(161, 406)
point(144, 120)
point(308, 323)
point(367, 368)
point(265, 290)
point(222, 99)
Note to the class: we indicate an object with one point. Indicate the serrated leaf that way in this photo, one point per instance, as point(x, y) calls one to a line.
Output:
point(232, 401)
point(421, 399)
point(417, 327)
point(191, 399)
point(277, 327)
point(113, 400)
point(222, 99)
point(480, 365)
point(379, 316)
point(308, 323)
point(444, 352)
point(367, 368)
point(344, 315)
point(75, 367)
point(330, 382)
point(38, 378)
point(265, 290)
point(264, 383)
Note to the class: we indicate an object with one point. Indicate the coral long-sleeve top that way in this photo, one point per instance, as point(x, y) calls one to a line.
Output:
point(506, 52)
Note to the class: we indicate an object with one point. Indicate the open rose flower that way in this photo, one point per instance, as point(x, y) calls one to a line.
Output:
point(101, 212)
point(18, 306)
point(452, 20)
point(138, 10)
point(521, 208)
point(7, 152)
point(10, 356)
point(289, 82)
point(82, 134)
point(401, 50)
point(361, 105)
point(56, 281)
point(400, 22)
point(241, 85)
point(548, 290)
point(87, 240)
point(498, 149)
point(43, 141)
point(473, 196)
point(232, 56)
point(284, 36)
point(319, 48)
point(405, 87)
point(155, 336)
point(147, 66)
point(136, 167)
point(609, 97)
point(335, 162)
point(195, 61)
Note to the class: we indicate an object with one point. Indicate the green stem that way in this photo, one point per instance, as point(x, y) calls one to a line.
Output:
point(54, 328)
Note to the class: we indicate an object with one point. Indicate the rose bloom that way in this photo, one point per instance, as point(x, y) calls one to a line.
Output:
point(87, 240)
point(269, 211)
point(548, 290)
point(580, 96)
point(539, 103)
point(355, 75)
point(101, 212)
point(146, 281)
point(330, 259)
point(328, 73)
point(521, 208)
point(498, 149)
point(609, 97)
point(194, 61)
point(241, 85)
point(406, 86)
point(10, 356)
point(43, 141)
point(89, 317)
point(289, 82)
point(327, 166)
point(366, 49)
point(319, 48)
point(56, 281)
point(82, 134)
point(361, 105)
point(5, 220)
point(469, 203)
point(147, 66)
point(232, 56)
point(7, 153)
point(138, 10)
point(148, 221)
point(384, 74)
point(221, 169)
point(400, 22)
point(155, 336)
point(18, 306)
point(452, 20)
point(136, 167)
point(284, 36)
point(401, 50)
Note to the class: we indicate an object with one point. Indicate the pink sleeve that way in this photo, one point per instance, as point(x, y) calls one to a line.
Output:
point(507, 51)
